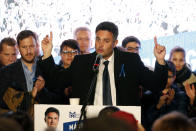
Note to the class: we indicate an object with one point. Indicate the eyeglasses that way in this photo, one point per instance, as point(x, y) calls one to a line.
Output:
point(132, 49)
point(73, 52)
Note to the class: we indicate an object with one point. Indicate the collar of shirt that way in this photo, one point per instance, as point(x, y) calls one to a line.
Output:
point(110, 59)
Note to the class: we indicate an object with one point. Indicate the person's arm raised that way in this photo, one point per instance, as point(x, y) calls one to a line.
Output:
point(47, 46)
point(159, 52)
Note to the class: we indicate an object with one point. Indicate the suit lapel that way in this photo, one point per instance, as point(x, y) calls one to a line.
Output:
point(117, 69)
point(92, 58)
point(20, 77)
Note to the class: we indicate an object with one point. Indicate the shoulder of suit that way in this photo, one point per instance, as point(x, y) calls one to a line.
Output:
point(13, 66)
point(85, 56)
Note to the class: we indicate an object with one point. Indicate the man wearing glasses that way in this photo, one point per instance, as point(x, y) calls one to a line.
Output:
point(131, 44)
point(68, 50)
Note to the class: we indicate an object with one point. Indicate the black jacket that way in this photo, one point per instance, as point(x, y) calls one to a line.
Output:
point(13, 76)
point(80, 75)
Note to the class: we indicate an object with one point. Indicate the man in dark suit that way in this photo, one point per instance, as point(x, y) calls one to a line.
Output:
point(18, 90)
point(8, 51)
point(126, 71)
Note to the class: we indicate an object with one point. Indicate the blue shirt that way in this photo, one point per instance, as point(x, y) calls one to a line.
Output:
point(29, 76)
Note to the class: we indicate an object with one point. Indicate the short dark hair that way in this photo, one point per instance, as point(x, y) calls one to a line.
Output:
point(26, 33)
point(108, 111)
point(109, 26)
point(177, 49)
point(22, 118)
point(174, 121)
point(171, 67)
point(70, 43)
point(52, 109)
point(130, 39)
point(106, 124)
point(7, 41)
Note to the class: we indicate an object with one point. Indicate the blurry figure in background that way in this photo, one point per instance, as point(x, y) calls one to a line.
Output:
point(68, 50)
point(126, 117)
point(190, 91)
point(83, 36)
point(169, 99)
point(173, 121)
point(7, 124)
point(129, 119)
point(106, 124)
point(131, 44)
point(22, 118)
point(8, 51)
point(108, 111)
point(52, 118)
point(185, 78)
point(115, 112)
point(183, 71)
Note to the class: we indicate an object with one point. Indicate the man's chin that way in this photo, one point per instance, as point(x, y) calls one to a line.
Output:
point(52, 126)
point(30, 61)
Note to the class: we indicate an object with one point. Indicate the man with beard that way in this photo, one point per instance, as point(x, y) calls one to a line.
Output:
point(21, 83)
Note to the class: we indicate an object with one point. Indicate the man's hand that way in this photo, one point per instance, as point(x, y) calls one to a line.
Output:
point(190, 91)
point(171, 96)
point(47, 46)
point(67, 90)
point(39, 85)
point(34, 92)
point(162, 101)
point(159, 52)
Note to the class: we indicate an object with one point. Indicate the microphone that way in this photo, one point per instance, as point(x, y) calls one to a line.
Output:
point(97, 62)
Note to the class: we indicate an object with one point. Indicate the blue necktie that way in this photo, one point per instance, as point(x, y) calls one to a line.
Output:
point(107, 97)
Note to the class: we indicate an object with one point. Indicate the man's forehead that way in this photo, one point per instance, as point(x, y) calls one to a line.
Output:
point(83, 32)
point(133, 43)
point(30, 38)
point(52, 113)
point(7, 47)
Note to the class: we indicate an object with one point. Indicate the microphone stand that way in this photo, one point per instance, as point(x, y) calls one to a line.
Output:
point(83, 109)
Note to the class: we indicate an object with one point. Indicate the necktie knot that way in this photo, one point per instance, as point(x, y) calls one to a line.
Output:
point(106, 63)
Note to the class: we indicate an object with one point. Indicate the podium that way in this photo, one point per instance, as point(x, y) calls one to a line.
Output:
point(69, 115)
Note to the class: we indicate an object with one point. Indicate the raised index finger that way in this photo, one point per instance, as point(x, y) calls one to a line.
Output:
point(51, 36)
point(155, 41)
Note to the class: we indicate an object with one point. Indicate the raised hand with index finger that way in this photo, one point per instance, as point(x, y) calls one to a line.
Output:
point(159, 52)
point(47, 46)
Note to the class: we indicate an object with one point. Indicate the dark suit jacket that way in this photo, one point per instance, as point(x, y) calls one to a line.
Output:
point(80, 76)
point(13, 76)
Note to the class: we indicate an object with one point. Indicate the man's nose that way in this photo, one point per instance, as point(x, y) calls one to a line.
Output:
point(28, 50)
point(101, 43)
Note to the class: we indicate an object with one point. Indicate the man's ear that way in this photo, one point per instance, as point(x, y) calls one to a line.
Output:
point(45, 119)
point(115, 43)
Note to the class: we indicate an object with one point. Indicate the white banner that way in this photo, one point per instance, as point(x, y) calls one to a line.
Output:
point(69, 115)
